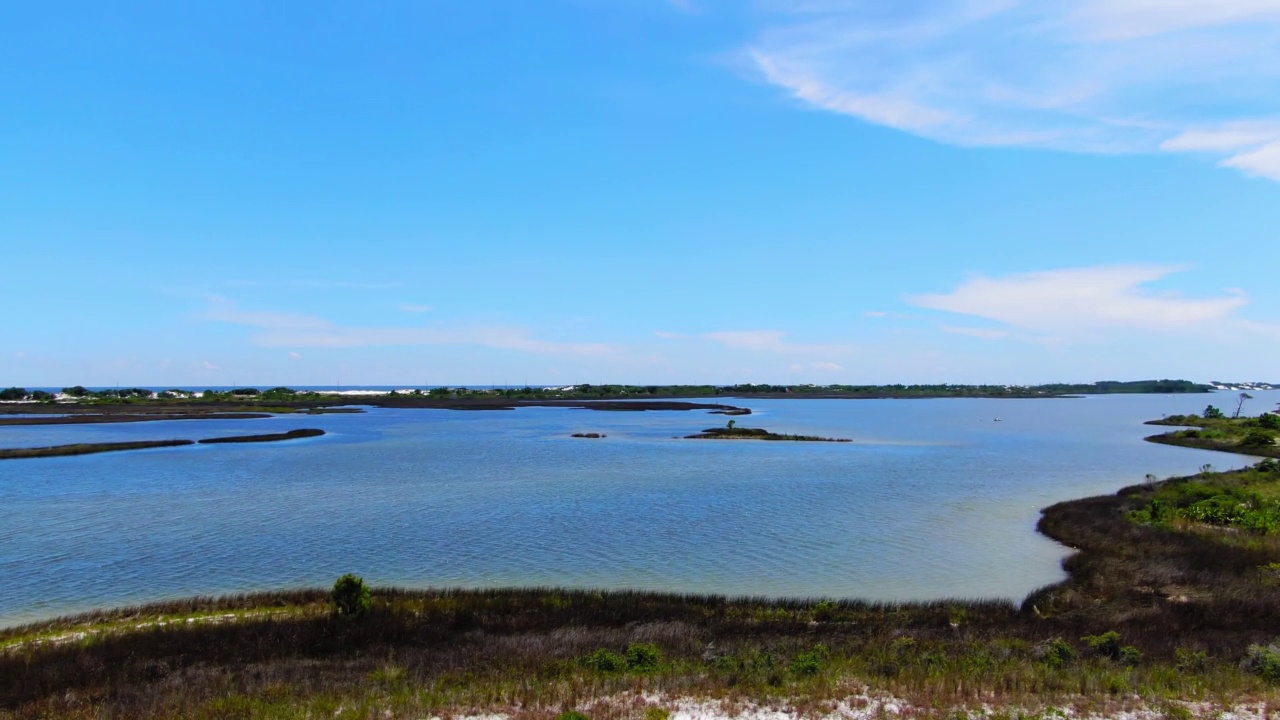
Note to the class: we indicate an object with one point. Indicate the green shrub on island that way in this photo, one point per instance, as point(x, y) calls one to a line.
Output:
point(605, 661)
point(1055, 652)
point(811, 662)
point(643, 657)
point(1258, 437)
point(13, 393)
point(1213, 413)
point(1263, 661)
point(350, 597)
point(640, 657)
point(1108, 645)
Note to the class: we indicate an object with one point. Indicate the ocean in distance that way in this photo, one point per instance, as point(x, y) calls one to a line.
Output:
point(933, 499)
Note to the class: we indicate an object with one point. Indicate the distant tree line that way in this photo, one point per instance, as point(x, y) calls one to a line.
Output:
point(590, 391)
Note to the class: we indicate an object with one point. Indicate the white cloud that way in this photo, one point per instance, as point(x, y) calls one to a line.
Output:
point(295, 356)
point(981, 333)
point(416, 308)
point(1105, 76)
point(773, 341)
point(499, 338)
point(669, 335)
point(206, 365)
point(1078, 299)
point(300, 330)
point(224, 310)
point(828, 366)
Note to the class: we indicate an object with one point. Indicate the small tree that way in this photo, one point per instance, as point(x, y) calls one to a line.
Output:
point(350, 597)
point(1213, 413)
point(1240, 405)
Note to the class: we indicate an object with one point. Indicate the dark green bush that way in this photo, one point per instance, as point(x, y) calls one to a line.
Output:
point(811, 662)
point(572, 715)
point(643, 657)
point(606, 661)
point(1107, 644)
point(1263, 661)
point(1130, 655)
point(1258, 437)
point(1270, 421)
point(350, 597)
point(1055, 652)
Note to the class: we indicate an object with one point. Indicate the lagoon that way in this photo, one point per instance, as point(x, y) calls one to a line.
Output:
point(933, 499)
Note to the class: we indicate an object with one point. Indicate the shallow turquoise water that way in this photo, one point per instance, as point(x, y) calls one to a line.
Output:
point(933, 499)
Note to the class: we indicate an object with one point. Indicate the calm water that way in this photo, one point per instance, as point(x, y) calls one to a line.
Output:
point(933, 499)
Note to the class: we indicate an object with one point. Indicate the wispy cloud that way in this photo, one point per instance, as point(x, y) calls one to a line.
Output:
point(980, 333)
point(1079, 299)
point(224, 310)
point(415, 308)
point(311, 284)
point(294, 330)
point(1089, 76)
point(773, 341)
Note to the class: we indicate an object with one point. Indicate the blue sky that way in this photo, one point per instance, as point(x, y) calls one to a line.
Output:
point(639, 191)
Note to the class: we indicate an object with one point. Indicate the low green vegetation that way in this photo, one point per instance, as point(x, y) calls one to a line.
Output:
point(1247, 500)
point(1213, 430)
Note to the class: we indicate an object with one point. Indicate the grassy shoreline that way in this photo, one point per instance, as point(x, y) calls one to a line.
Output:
point(1252, 436)
point(1161, 607)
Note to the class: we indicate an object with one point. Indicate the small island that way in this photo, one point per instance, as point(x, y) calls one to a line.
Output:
point(730, 432)
point(271, 437)
point(87, 448)
point(92, 448)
